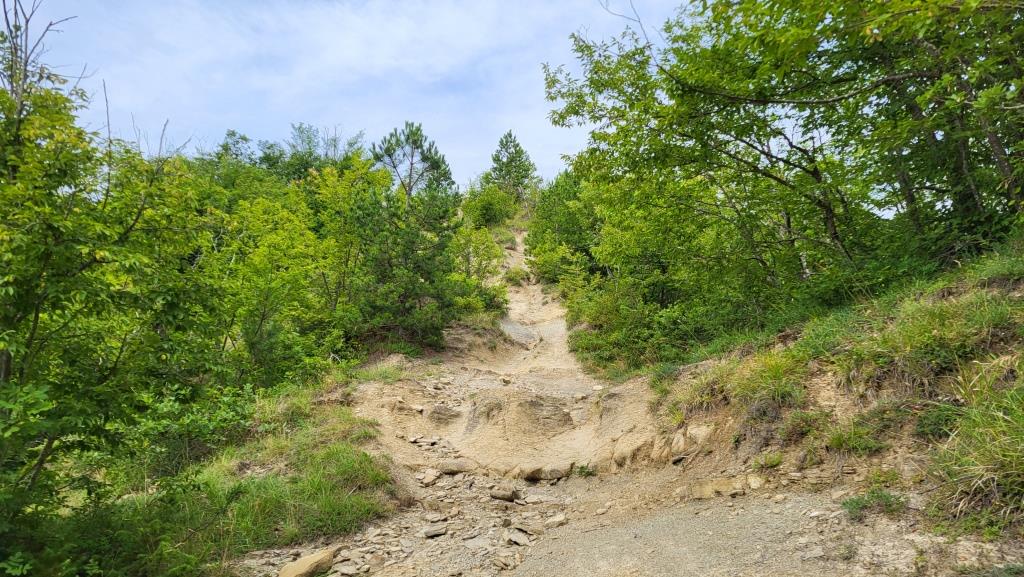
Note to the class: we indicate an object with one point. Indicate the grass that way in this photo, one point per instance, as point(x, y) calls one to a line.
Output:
point(300, 476)
point(982, 465)
point(876, 500)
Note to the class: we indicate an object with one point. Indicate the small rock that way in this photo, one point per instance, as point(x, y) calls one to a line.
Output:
point(556, 521)
point(435, 530)
point(755, 482)
point(506, 491)
point(506, 380)
point(598, 388)
point(430, 477)
point(347, 569)
point(516, 537)
point(813, 553)
point(778, 498)
point(601, 511)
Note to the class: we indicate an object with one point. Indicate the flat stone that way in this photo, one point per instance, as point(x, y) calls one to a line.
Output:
point(442, 414)
point(310, 564)
point(347, 569)
point(435, 530)
point(456, 466)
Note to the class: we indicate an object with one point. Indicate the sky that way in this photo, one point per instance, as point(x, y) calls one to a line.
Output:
point(468, 70)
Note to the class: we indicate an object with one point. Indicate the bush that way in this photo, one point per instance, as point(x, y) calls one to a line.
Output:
point(487, 206)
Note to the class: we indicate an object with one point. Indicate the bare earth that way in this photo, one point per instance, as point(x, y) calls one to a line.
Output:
point(518, 412)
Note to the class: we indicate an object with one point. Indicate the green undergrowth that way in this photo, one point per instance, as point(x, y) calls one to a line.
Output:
point(300, 475)
point(938, 361)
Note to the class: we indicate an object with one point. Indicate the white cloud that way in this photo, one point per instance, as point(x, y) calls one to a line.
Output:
point(468, 70)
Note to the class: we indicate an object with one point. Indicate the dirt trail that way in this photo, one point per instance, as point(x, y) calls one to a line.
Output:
point(518, 418)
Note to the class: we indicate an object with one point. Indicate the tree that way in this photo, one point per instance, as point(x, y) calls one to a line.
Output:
point(413, 160)
point(512, 170)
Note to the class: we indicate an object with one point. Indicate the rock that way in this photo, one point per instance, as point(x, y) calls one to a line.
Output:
point(722, 486)
point(778, 498)
point(699, 433)
point(506, 380)
point(506, 492)
point(541, 472)
point(442, 414)
point(601, 511)
point(347, 569)
point(598, 388)
point(813, 553)
point(516, 537)
point(679, 442)
point(456, 466)
point(755, 482)
point(435, 530)
point(430, 477)
point(310, 564)
point(579, 396)
point(625, 449)
point(556, 521)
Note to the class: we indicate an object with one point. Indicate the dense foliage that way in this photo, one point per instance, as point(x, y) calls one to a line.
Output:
point(759, 160)
point(147, 300)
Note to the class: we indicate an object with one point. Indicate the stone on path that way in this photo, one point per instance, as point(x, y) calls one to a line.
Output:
point(506, 491)
point(310, 564)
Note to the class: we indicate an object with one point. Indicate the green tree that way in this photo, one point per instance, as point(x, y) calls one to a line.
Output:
point(512, 171)
point(413, 161)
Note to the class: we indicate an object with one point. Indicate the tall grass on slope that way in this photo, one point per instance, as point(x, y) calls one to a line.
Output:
point(982, 464)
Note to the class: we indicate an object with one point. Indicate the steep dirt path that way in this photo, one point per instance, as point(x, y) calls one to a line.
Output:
point(488, 442)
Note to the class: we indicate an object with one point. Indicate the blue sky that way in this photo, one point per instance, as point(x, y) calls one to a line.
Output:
point(468, 70)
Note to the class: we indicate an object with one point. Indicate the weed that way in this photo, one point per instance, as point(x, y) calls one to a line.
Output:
point(937, 421)
point(799, 424)
point(584, 471)
point(875, 500)
point(381, 373)
point(767, 461)
point(855, 439)
point(883, 478)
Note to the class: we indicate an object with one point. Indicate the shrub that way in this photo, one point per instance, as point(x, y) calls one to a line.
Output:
point(487, 206)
